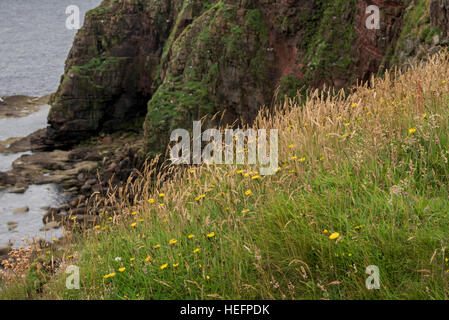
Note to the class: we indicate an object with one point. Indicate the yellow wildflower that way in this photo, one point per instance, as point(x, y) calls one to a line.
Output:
point(133, 224)
point(150, 201)
point(191, 236)
point(161, 195)
point(175, 265)
point(211, 235)
point(412, 130)
point(173, 241)
point(334, 236)
point(148, 259)
point(248, 192)
point(164, 266)
point(122, 269)
point(255, 177)
point(200, 197)
point(196, 250)
point(245, 211)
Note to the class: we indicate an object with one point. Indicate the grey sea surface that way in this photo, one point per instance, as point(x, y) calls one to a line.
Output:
point(34, 44)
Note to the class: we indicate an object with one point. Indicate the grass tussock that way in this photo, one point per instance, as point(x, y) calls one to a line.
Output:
point(363, 180)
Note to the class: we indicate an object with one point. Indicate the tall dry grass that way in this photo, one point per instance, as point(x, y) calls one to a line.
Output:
point(369, 167)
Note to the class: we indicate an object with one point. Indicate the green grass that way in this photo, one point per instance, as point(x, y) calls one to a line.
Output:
point(371, 166)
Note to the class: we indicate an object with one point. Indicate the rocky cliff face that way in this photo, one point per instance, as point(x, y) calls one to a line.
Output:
point(174, 61)
point(110, 69)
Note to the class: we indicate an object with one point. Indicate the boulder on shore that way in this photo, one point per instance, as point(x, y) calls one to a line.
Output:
point(4, 250)
point(22, 210)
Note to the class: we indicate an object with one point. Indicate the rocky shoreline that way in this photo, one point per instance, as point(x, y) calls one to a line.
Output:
point(82, 170)
point(20, 106)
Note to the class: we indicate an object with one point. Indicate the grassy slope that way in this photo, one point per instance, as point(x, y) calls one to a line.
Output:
point(353, 165)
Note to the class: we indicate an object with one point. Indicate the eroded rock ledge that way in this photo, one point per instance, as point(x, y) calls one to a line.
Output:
point(84, 170)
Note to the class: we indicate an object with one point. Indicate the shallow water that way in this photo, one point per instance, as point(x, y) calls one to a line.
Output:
point(28, 224)
point(20, 127)
point(23, 126)
point(6, 160)
point(36, 197)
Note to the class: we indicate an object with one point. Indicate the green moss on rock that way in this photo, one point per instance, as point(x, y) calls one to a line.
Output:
point(329, 36)
point(204, 60)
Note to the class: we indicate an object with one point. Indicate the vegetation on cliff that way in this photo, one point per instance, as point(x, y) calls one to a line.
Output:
point(363, 181)
point(174, 61)
point(363, 178)
point(221, 53)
